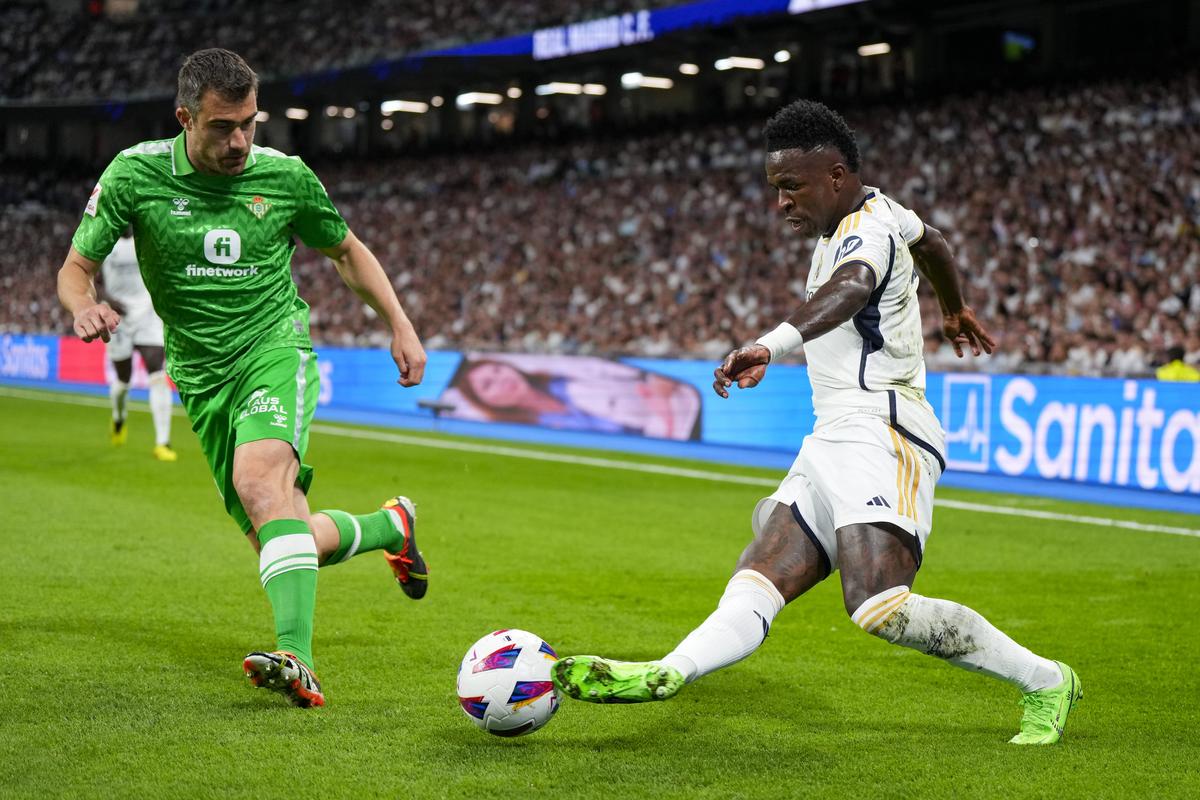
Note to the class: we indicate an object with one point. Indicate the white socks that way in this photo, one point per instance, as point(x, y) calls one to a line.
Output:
point(940, 628)
point(160, 406)
point(118, 391)
point(733, 631)
point(956, 634)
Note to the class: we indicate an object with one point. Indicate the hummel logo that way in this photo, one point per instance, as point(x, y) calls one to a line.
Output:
point(878, 501)
point(181, 204)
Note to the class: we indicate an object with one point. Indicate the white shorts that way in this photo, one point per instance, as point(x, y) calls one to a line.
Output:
point(856, 470)
point(142, 329)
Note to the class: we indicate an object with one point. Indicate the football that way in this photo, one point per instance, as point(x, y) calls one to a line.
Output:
point(504, 683)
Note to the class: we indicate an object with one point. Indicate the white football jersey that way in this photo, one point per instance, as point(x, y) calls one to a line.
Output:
point(873, 362)
point(123, 278)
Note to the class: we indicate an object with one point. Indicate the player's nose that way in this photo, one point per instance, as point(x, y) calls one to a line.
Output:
point(785, 202)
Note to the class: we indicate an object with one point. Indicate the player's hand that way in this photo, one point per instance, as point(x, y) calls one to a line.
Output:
point(746, 366)
point(96, 322)
point(963, 330)
point(409, 356)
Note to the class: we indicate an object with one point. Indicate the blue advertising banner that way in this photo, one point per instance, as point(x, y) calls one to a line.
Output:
point(1117, 438)
point(1109, 432)
point(1099, 431)
point(28, 358)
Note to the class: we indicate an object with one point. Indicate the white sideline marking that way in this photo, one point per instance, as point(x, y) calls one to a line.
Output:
point(544, 455)
point(631, 466)
point(1103, 521)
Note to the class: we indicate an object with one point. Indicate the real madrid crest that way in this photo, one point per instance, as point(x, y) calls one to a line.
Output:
point(258, 207)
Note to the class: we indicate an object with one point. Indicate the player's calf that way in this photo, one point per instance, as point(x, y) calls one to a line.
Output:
point(737, 627)
point(952, 632)
point(960, 636)
point(391, 529)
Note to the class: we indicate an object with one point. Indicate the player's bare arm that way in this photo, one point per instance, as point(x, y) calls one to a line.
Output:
point(843, 296)
point(362, 272)
point(77, 292)
point(104, 296)
point(936, 261)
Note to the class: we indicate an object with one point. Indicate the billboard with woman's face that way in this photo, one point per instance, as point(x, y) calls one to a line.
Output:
point(572, 393)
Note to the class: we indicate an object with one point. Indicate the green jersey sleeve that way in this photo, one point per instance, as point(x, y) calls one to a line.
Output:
point(317, 222)
point(109, 210)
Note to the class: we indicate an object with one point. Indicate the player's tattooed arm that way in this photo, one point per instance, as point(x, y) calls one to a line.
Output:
point(362, 272)
point(936, 261)
point(842, 296)
point(77, 292)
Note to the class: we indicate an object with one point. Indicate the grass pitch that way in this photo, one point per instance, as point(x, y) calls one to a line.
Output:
point(127, 600)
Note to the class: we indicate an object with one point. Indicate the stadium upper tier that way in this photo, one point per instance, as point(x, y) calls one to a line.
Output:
point(50, 55)
point(1075, 214)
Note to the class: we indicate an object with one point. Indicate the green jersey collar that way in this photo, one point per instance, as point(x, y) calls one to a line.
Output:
point(180, 165)
point(179, 160)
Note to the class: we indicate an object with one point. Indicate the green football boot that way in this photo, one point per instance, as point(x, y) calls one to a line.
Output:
point(600, 680)
point(1046, 711)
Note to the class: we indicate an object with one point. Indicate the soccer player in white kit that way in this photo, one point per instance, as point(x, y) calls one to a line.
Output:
point(140, 329)
point(859, 497)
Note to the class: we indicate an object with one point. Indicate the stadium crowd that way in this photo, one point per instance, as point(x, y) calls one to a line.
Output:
point(1074, 212)
point(59, 55)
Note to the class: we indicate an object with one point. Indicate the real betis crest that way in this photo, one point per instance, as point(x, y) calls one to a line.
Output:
point(258, 207)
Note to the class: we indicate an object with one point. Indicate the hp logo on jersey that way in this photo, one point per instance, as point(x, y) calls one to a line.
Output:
point(222, 246)
point(848, 246)
point(966, 418)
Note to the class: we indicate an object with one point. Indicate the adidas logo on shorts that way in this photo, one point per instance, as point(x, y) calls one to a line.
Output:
point(878, 501)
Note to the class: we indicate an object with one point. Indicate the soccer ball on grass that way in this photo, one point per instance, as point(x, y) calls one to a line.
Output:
point(504, 683)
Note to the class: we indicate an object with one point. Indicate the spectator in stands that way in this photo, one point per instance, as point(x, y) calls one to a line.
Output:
point(1176, 369)
point(1077, 212)
point(52, 51)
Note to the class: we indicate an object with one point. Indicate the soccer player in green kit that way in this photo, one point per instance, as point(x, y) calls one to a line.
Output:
point(214, 219)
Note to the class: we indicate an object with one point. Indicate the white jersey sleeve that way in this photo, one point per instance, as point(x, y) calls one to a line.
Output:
point(910, 225)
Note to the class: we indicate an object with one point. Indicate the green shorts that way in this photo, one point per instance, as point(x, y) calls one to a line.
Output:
point(272, 395)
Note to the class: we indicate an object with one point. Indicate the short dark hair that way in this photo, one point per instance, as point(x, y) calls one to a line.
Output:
point(223, 71)
point(807, 124)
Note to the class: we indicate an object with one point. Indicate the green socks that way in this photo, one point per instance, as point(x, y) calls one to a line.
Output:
point(287, 565)
point(362, 533)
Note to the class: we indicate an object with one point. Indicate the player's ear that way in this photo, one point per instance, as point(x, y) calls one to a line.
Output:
point(184, 117)
point(837, 174)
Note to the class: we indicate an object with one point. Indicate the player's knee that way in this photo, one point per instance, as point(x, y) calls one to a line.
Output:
point(158, 378)
point(153, 358)
point(883, 614)
point(252, 492)
point(260, 497)
point(264, 477)
point(854, 592)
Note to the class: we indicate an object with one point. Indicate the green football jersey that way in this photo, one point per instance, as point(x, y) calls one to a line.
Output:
point(215, 251)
